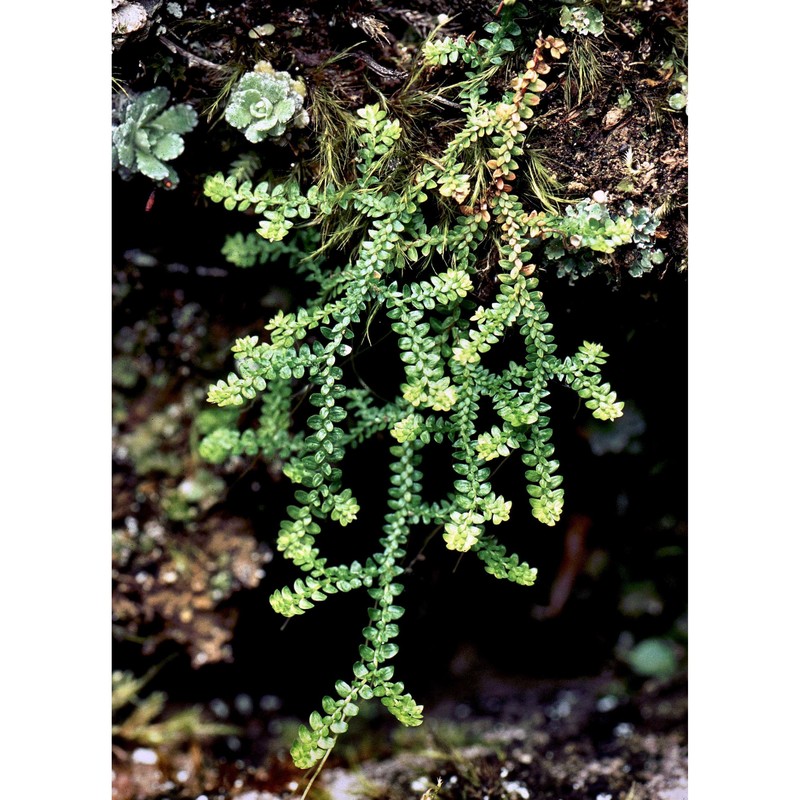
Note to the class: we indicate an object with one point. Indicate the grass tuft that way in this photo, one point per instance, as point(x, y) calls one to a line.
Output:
point(583, 71)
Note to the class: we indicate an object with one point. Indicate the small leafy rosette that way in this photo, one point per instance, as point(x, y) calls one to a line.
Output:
point(264, 104)
point(582, 20)
point(149, 134)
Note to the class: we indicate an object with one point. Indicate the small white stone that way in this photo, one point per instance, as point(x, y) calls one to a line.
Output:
point(144, 755)
point(243, 703)
point(607, 703)
point(269, 702)
point(219, 708)
point(517, 789)
point(623, 730)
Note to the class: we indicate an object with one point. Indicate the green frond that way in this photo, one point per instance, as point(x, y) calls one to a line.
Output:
point(402, 232)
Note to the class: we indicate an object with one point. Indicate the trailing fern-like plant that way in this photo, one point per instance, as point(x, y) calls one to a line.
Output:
point(419, 262)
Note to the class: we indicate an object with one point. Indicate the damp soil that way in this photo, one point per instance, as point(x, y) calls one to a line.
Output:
point(503, 737)
point(529, 693)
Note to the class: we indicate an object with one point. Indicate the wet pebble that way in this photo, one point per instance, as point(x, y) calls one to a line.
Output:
point(623, 730)
point(515, 789)
point(607, 703)
point(144, 755)
point(219, 708)
point(243, 704)
point(269, 702)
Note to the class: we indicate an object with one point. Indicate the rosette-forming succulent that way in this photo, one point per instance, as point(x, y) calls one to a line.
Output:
point(581, 20)
point(145, 134)
point(265, 103)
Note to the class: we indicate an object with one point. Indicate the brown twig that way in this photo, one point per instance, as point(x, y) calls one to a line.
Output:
point(191, 58)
